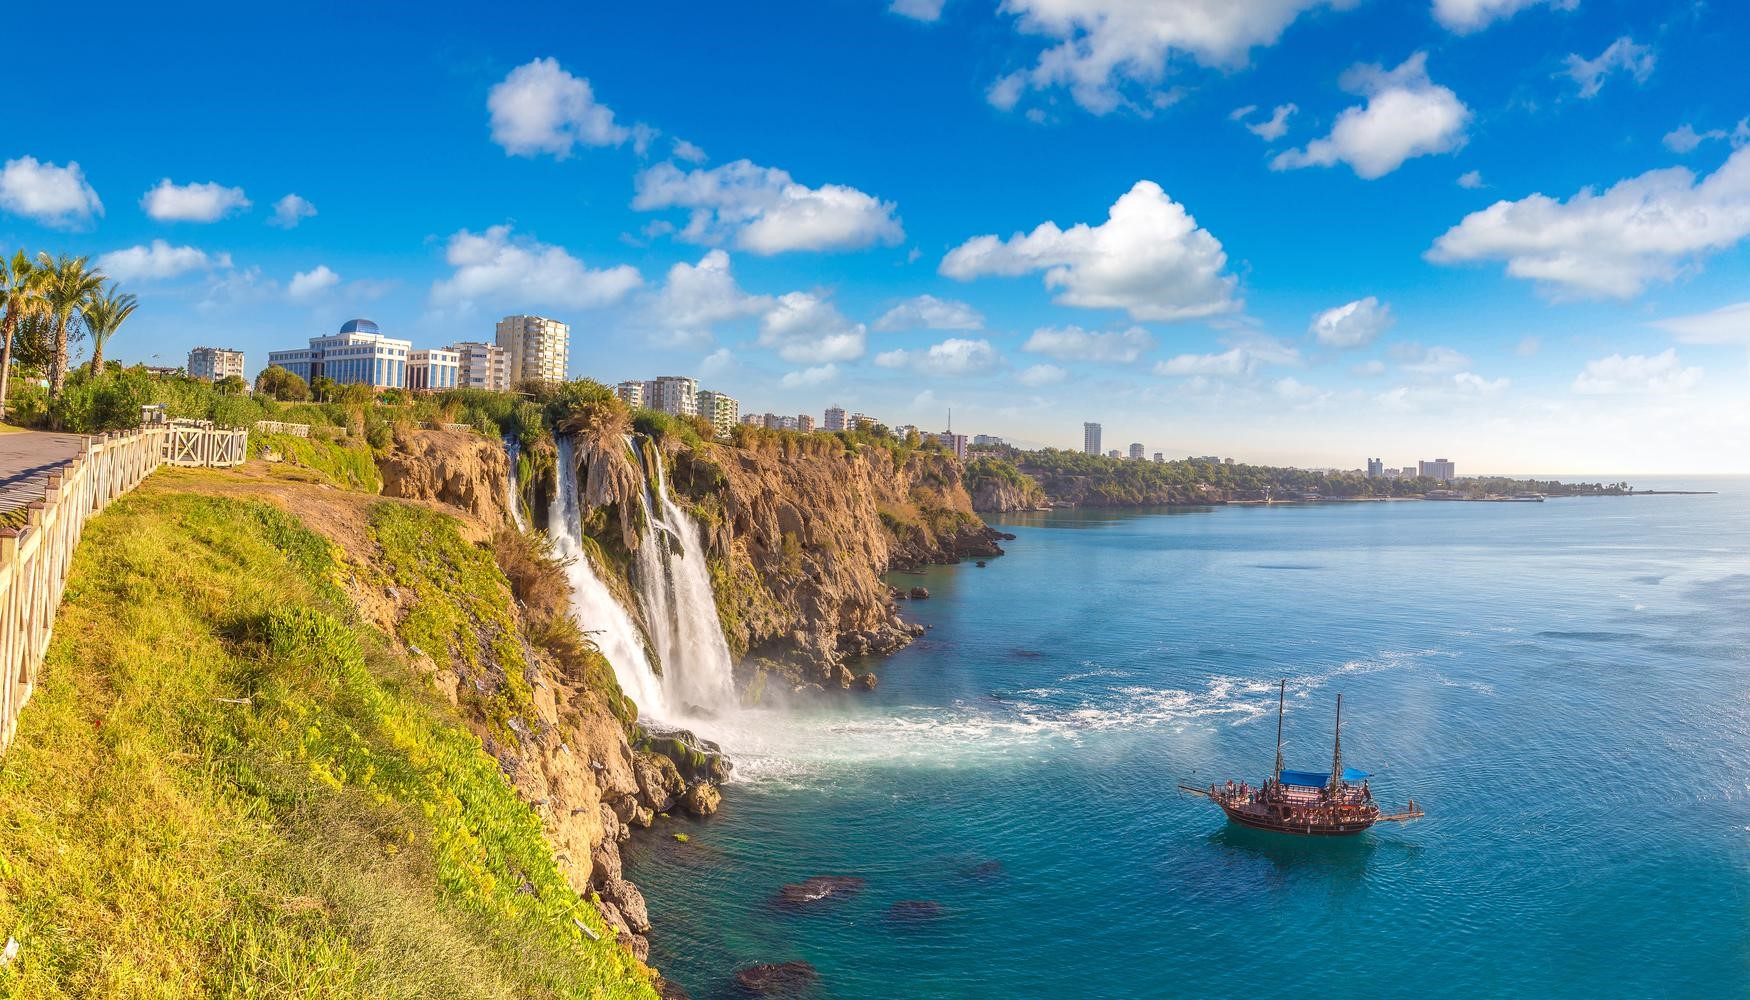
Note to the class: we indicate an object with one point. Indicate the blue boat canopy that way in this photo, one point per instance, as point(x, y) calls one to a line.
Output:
point(1319, 779)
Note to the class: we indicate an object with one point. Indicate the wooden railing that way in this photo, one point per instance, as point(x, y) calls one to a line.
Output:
point(279, 427)
point(35, 559)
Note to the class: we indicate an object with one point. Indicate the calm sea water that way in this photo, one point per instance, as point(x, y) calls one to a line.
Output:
point(1565, 687)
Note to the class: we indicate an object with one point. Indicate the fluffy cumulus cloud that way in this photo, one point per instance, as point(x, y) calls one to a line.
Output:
point(1239, 359)
point(1406, 115)
point(1115, 53)
point(1270, 129)
point(814, 375)
point(697, 297)
point(1622, 56)
point(52, 195)
point(1471, 180)
point(926, 312)
point(1725, 325)
point(1149, 258)
point(157, 261)
point(306, 285)
point(918, 10)
point(1354, 324)
point(496, 266)
point(1685, 139)
point(206, 202)
point(1072, 343)
point(762, 209)
point(952, 357)
point(1038, 375)
point(291, 210)
point(1456, 389)
point(1428, 360)
point(804, 328)
point(1639, 374)
point(1466, 16)
point(541, 108)
point(1642, 229)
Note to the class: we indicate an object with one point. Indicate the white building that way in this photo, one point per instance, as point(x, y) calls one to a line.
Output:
point(536, 349)
point(1136, 451)
point(805, 423)
point(720, 408)
point(676, 394)
point(953, 442)
point(862, 422)
point(1440, 469)
point(358, 355)
point(835, 419)
point(481, 366)
point(1091, 438)
point(214, 363)
point(754, 420)
point(987, 439)
point(433, 370)
point(631, 392)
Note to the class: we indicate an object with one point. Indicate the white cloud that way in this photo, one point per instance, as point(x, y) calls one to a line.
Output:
point(1474, 383)
point(1270, 129)
point(1456, 389)
point(1685, 139)
point(1725, 325)
point(309, 284)
point(1241, 359)
point(157, 262)
point(1354, 324)
point(1368, 368)
point(1072, 343)
point(496, 267)
point(918, 10)
point(952, 357)
point(697, 297)
point(806, 329)
point(1148, 258)
point(1406, 115)
point(1295, 391)
point(926, 312)
point(1466, 16)
point(1470, 180)
point(54, 196)
point(1428, 360)
point(1612, 244)
point(718, 362)
point(1115, 53)
point(541, 108)
point(1639, 374)
point(688, 152)
point(817, 375)
point(208, 202)
point(763, 210)
point(1038, 375)
point(1623, 55)
point(290, 210)
point(1528, 346)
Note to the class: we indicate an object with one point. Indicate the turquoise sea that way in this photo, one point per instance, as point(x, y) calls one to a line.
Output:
point(1564, 687)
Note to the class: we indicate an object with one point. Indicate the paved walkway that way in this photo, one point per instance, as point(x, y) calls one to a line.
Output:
point(26, 459)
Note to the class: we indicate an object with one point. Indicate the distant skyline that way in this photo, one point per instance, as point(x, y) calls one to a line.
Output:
point(1507, 232)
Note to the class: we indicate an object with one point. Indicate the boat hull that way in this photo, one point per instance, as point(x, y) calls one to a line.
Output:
point(1300, 828)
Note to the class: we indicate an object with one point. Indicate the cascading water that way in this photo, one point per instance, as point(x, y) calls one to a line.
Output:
point(593, 605)
point(512, 496)
point(674, 586)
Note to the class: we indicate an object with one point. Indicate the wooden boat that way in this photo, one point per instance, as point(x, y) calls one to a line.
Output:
point(1305, 803)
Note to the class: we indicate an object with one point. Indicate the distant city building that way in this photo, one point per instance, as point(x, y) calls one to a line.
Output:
point(753, 420)
point(1211, 459)
point(835, 419)
point(779, 422)
point(904, 431)
point(1114, 453)
point(676, 394)
point(358, 355)
point(1375, 468)
point(536, 349)
point(1160, 458)
point(1408, 473)
point(805, 423)
point(953, 442)
point(1091, 439)
point(863, 422)
point(481, 366)
point(433, 370)
point(214, 363)
point(631, 393)
point(1440, 469)
point(721, 409)
point(1136, 451)
point(988, 440)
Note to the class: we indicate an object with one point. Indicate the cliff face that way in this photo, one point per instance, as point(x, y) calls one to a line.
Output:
point(457, 468)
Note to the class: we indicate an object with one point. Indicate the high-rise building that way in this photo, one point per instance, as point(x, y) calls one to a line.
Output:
point(214, 363)
point(359, 354)
point(1091, 439)
point(1136, 451)
point(862, 422)
point(1408, 473)
point(719, 408)
point(955, 443)
point(676, 394)
point(631, 393)
point(1114, 453)
point(835, 419)
point(1439, 469)
point(1375, 468)
point(536, 349)
point(753, 420)
point(481, 366)
point(433, 370)
point(987, 439)
point(805, 423)
point(1160, 458)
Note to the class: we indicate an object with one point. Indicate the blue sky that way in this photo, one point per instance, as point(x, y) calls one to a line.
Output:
point(1509, 232)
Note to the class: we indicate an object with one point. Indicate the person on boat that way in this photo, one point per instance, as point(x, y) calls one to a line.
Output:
point(1366, 793)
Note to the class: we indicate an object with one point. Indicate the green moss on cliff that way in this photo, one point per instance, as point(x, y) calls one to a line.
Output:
point(226, 786)
point(346, 462)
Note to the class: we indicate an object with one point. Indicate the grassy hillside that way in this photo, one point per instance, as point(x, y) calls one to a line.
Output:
point(229, 786)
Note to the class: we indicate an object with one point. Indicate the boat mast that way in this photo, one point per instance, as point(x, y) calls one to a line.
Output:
point(1337, 751)
point(1281, 700)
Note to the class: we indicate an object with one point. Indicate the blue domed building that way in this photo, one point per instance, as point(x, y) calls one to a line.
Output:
point(358, 355)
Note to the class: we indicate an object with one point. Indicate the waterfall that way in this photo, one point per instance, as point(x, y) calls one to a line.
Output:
point(512, 497)
point(593, 605)
point(674, 586)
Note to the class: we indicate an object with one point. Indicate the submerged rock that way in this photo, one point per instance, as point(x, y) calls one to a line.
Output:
point(982, 869)
point(669, 990)
point(777, 979)
point(819, 889)
point(914, 911)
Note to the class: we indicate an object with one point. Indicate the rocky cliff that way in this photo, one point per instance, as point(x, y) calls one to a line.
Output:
point(997, 486)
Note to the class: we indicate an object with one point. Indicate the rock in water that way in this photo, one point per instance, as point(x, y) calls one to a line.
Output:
point(919, 593)
point(982, 869)
point(702, 799)
point(777, 979)
point(867, 682)
point(669, 990)
point(914, 911)
point(819, 889)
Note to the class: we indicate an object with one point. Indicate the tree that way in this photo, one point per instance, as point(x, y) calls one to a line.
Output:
point(282, 384)
point(322, 387)
point(70, 283)
point(21, 287)
point(233, 385)
point(103, 312)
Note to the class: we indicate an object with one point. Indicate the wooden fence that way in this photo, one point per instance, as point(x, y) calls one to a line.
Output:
point(277, 427)
point(35, 559)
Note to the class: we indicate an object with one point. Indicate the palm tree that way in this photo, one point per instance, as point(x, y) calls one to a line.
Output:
point(21, 287)
point(103, 311)
point(71, 282)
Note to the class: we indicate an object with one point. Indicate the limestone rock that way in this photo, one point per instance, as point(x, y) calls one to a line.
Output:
point(702, 799)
